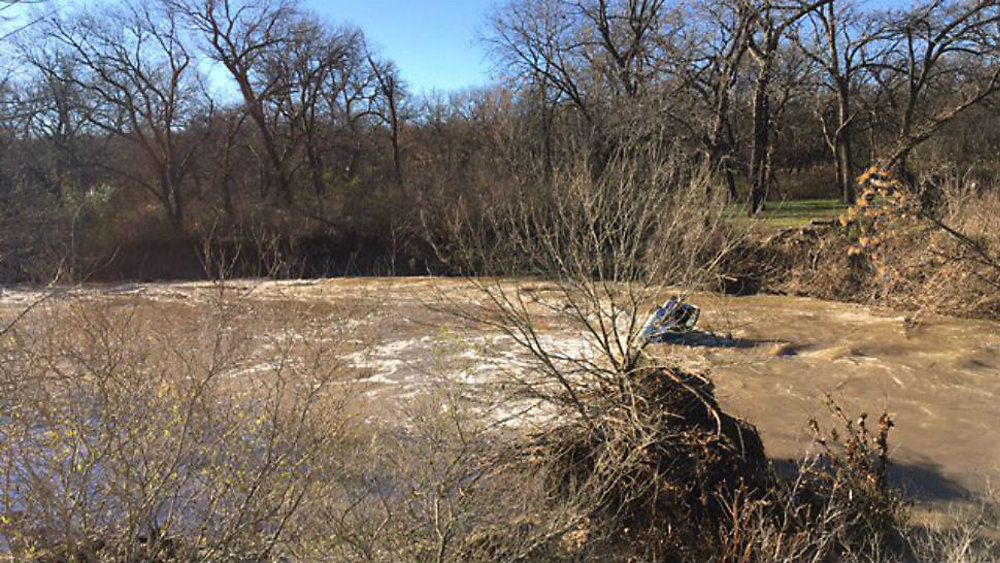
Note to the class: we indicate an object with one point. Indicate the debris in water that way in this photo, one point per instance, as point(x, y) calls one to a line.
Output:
point(675, 317)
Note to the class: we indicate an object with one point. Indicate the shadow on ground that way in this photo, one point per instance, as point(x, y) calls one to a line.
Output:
point(924, 481)
point(917, 481)
point(700, 339)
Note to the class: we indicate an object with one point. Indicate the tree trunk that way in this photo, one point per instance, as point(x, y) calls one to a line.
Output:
point(227, 189)
point(397, 164)
point(173, 202)
point(317, 169)
point(734, 193)
point(844, 156)
point(256, 111)
point(227, 197)
point(547, 145)
point(721, 144)
point(845, 171)
point(177, 217)
point(394, 125)
point(761, 140)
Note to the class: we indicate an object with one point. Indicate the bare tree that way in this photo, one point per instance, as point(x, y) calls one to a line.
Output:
point(944, 58)
point(794, 73)
point(600, 57)
point(239, 35)
point(227, 133)
point(537, 40)
point(772, 21)
point(51, 110)
point(625, 34)
point(348, 100)
point(387, 108)
point(709, 56)
point(140, 85)
point(839, 38)
point(312, 58)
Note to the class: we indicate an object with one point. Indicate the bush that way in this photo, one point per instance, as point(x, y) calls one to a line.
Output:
point(128, 437)
point(937, 254)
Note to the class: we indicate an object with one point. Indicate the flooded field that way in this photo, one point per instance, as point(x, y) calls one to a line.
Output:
point(773, 359)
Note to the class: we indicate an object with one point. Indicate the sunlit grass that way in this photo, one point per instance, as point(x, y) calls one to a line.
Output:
point(789, 213)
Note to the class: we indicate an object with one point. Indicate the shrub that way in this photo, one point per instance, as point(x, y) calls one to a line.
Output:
point(135, 437)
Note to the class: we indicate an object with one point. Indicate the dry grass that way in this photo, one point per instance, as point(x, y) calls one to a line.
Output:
point(892, 249)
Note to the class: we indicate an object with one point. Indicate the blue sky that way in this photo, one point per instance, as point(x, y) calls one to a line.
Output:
point(435, 43)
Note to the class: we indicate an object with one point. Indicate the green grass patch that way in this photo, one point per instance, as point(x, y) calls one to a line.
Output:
point(789, 213)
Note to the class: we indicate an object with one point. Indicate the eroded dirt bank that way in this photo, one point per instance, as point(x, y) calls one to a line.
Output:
point(773, 359)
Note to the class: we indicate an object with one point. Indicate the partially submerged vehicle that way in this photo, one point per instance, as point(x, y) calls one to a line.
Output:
point(669, 322)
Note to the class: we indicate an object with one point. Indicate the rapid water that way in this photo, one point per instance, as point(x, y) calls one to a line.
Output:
point(938, 378)
point(773, 359)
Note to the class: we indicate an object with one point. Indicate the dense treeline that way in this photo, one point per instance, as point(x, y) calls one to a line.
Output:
point(132, 132)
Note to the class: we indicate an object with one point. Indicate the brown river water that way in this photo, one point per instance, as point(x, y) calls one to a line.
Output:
point(939, 379)
point(773, 359)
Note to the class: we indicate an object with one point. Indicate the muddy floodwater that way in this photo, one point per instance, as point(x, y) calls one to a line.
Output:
point(939, 379)
point(773, 359)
